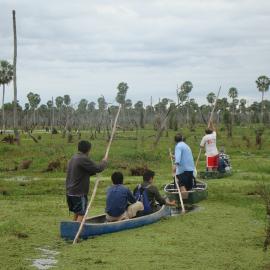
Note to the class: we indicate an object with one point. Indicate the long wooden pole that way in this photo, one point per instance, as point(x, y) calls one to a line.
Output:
point(209, 121)
point(87, 210)
point(98, 179)
point(15, 119)
point(177, 186)
point(113, 131)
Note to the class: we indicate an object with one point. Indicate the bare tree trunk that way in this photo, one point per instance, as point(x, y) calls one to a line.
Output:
point(3, 109)
point(34, 113)
point(15, 120)
point(52, 114)
point(262, 107)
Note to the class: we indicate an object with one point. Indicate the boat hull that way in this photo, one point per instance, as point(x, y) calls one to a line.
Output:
point(93, 227)
point(214, 175)
point(191, 197)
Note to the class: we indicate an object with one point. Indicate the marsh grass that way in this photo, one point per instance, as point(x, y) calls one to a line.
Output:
point(228, 233)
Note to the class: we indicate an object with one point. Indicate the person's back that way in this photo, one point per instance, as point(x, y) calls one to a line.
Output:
point(152, 197)
point(184, 163)
point(184, 157)
point(118, 199)
point(79, 170)
point(209, 141)
point(148, 189)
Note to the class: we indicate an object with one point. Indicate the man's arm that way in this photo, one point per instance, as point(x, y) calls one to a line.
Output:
point(212, 126)
point(202, 144)
point(177, 155)
point(170, 203)
point(157, 195)
point(92, 167)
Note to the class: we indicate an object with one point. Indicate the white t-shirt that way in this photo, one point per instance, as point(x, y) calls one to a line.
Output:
point(209, 141)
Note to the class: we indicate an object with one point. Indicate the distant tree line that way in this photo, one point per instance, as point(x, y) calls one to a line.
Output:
point(98, 115)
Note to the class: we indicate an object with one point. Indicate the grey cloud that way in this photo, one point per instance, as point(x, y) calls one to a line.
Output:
point(153, 43)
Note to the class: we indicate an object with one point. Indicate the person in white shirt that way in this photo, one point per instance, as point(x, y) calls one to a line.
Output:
point(209, 142)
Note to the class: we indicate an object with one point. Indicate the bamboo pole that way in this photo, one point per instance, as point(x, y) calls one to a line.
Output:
point(87, 210)
point(177, 186)
point(113, 131)
point(98, 180)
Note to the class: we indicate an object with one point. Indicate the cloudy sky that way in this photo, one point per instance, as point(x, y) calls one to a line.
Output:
point(84, 48)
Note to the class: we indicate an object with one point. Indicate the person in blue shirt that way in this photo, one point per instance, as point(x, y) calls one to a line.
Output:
point(120, 202)
point(184, 163)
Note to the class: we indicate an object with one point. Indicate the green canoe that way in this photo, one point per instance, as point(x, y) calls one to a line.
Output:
point(214, 174)
point(193, 196)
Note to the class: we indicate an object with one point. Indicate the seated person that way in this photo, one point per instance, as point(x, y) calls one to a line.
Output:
point(148, 194)
point(224, 162)
point(118, 198)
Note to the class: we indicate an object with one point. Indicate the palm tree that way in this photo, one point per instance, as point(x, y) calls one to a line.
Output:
point(186, 88)
point(67, 100)
point(34, 100)
point(263, 83)
point(233, 94)
point(122, 91)
point(59, 104)
point(211, 97)
point(6, 75)
point(121, 97)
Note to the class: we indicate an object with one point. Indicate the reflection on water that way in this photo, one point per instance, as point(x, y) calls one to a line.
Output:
point(47, 259)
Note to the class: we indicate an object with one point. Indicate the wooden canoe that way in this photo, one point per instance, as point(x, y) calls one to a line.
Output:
point(97, 225)
point(193, 196)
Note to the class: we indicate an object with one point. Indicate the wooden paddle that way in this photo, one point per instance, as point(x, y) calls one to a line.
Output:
point(209, 122)
point(177, 186)
point(98, 179)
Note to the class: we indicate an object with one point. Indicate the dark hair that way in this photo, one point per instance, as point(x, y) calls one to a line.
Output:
point(148, 174)
point(208, 131)
point(178, 137)
point(84, 146)
point(117, 178)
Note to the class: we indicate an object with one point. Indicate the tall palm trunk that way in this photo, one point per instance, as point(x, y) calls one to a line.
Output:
point(34, 114)
point(262, 107)
point(15, 120)
point(3, 110)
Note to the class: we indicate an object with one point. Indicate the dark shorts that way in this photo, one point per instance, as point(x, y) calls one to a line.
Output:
point(186, 179)
point(77, 204)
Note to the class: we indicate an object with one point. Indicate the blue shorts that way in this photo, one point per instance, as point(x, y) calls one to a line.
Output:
point(77, 204)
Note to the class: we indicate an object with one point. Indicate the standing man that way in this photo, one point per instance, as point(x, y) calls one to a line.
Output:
point(209, 142)
point(184, 164)
point(79, 170)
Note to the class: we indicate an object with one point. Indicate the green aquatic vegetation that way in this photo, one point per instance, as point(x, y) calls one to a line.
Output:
point(228, 232)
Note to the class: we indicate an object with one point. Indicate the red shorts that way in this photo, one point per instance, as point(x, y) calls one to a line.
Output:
point(212, 162)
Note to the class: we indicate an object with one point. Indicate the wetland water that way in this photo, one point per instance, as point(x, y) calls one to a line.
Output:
point(47, 259)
